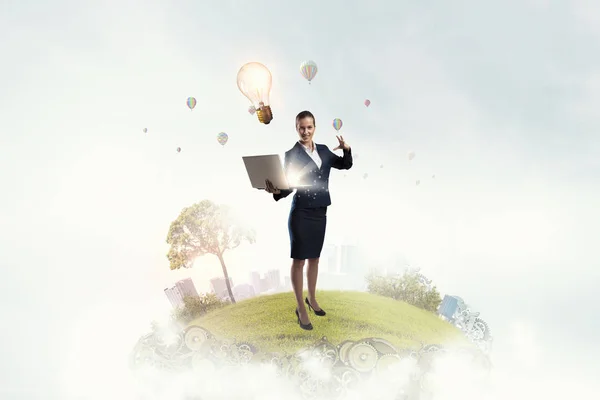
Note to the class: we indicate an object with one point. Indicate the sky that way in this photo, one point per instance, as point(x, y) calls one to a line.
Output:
point(498, 99)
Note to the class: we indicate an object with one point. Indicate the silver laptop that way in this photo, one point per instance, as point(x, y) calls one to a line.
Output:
point(261, 168)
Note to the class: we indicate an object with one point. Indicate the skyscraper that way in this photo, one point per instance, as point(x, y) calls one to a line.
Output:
point(264, 285)
point(175, 296)
point(243, 291)
point(255, 279)
point(349, 259)
point(448, 307)
point(331, 257)
point(273, 279)
point(187, 288)
point(219, 287)
point(180, 290)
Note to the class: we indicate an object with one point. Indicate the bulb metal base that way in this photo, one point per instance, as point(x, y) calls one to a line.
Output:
point(265, 116)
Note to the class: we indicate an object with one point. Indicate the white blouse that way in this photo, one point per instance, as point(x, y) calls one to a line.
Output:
point(314, 154)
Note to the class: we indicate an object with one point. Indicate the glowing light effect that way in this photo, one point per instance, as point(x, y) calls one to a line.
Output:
point(254, 81)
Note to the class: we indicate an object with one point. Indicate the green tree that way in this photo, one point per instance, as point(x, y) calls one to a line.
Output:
point(205, 228)
point(194, 307)
point(407, 287)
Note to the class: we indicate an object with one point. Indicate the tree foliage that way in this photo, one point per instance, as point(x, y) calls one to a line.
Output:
point(195, 307)
point(408, 288)
point(205, 228)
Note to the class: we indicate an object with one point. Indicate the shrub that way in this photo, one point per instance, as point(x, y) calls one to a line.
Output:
point(409, 287)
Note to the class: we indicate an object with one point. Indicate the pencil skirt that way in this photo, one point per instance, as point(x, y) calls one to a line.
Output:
point(307, 232)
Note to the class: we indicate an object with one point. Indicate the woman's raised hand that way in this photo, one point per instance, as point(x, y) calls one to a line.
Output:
point(343, 145)
point(271, 188)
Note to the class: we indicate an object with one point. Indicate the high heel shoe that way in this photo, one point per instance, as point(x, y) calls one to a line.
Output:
point(307, 327)
point(320, 313)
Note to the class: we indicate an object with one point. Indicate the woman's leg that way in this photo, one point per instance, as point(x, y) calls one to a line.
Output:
point(311, 276)
point(296, 275)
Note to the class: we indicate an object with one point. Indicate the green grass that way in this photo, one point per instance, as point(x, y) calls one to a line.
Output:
point(269, 322)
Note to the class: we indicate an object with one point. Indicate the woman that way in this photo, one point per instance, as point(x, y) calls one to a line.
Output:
point(307, 166)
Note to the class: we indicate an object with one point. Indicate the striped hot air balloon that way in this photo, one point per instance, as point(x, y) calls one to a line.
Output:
point(222, 138)
point(308, 69)
point(337, 124)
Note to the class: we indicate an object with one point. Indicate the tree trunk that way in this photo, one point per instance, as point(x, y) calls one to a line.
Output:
point(226, 275)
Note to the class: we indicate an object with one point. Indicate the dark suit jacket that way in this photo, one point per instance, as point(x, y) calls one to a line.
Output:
point(298, 162)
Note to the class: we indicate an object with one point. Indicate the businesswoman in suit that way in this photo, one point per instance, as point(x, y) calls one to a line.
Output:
point(307, 166)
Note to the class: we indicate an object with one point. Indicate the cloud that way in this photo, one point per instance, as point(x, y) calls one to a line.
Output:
point(525, 345)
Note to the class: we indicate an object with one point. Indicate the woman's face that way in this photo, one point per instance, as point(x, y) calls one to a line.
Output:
point(306, 130)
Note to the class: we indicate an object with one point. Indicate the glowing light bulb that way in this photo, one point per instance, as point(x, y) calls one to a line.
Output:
point(254, 81)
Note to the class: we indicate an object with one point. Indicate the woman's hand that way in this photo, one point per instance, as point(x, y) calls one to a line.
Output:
point(270, 188)
point(343, 145)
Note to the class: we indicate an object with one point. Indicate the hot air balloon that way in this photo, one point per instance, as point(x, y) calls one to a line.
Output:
point(381, 166)
point(145, 130)
point(433, 176)
point(337, 124)
point(251, 110)
point(411, 155)
point(365, 176)
point(418, 182)
point(308, 69)
point(179, 149)
point(367, 102)
point(222, 138)
point(191, 103)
